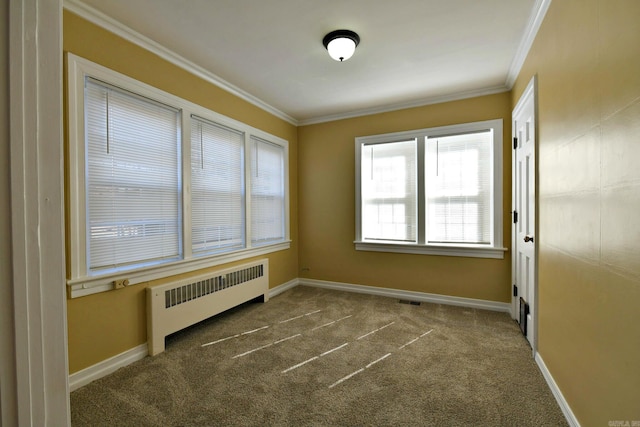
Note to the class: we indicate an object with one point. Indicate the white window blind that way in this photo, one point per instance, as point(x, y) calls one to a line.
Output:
point(459, 188)
point(389, 191)
point(217, 184)
point(267, 192)
point(133, 179)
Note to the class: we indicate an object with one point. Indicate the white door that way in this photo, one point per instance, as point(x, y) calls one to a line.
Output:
point(524, 240)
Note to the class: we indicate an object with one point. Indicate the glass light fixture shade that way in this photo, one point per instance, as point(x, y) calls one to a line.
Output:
point(341, 44)
point(341, 49)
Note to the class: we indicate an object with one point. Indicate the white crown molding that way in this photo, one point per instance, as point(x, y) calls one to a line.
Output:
point(531, 30)
point(92, 15)
point(405, 105)
point(96, 17)
point(538, 13)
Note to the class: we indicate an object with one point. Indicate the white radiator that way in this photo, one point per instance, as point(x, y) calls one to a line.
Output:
point(174, 306)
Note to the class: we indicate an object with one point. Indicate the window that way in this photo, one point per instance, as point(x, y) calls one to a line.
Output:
point(133, 175)
point(389, 191)
point(217, 184)
point(160, 186)
point(267, 192)
point(432, 191)
point(459, 188)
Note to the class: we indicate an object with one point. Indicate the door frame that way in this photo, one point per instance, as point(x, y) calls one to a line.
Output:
point(40, 393)
point(530, 94)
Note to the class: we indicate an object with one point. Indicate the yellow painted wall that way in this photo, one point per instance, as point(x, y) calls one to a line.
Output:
point(588, 67)
point(106, 324)
point(587, 58)
point(327, 207)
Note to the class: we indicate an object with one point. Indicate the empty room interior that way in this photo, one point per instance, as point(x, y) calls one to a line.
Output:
point(470, 162)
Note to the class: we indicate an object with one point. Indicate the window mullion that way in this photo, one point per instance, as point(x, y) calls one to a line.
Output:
point(421, 205)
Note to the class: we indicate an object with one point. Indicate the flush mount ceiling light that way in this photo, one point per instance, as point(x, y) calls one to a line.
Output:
point(341, 44)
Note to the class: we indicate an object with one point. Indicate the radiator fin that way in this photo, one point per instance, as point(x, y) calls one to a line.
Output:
point(199, 289)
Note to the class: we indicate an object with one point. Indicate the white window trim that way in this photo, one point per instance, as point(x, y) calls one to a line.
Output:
point(495, 250)
point(81, 283)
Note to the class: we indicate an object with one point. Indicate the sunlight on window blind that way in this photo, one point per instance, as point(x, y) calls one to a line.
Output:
point(389, 191)
point(133, 178)
point(217, 182)
point(267, 192)
point(459, 188)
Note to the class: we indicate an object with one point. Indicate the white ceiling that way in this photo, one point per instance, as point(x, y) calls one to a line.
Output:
point(412, 52)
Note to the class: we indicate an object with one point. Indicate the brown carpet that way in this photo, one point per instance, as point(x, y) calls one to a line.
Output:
point(321, 357)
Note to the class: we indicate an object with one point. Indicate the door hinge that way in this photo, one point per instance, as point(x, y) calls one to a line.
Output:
point(515, 142)
point(515, 291)
point(515, 217)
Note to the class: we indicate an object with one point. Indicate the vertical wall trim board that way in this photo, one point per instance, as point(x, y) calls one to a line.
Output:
point(37, 216)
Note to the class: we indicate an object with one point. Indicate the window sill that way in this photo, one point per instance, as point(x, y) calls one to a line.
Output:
point(445, 250)
point(91, 285)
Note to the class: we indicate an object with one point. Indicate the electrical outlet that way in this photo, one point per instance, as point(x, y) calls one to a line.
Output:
point(120, 283)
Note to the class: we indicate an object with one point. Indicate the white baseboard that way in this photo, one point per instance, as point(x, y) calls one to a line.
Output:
point(564, 406)
point(104, 368)
point(410, 295)
point(101, 369)
point(284, 287)
point(112, 364)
